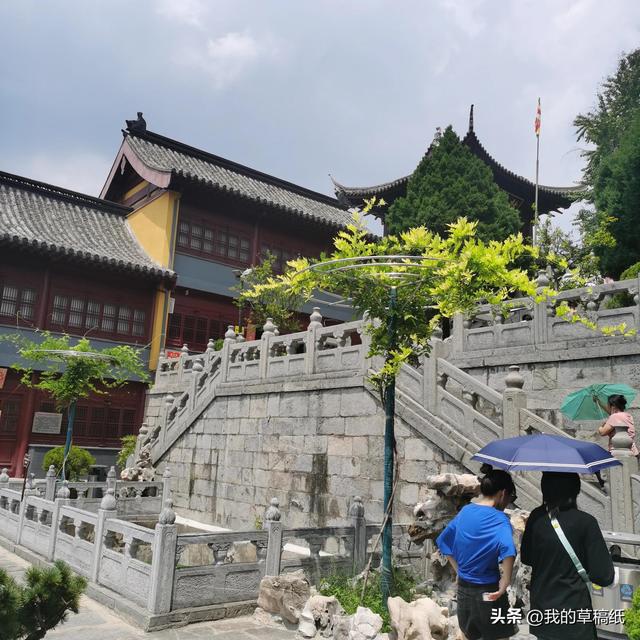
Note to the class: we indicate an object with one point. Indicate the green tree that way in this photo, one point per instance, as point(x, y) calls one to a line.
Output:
point(605, 126)
point(78, 463)
point(617, 194)
point(28, 611)
point(69, 372)
point(449, 183)
point(573, 264)
point(611, 128)
point(277, 305)
point(128, 449)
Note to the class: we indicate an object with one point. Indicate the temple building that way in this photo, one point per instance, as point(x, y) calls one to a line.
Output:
point(70, 264)
point(209, 219)
point(520, 190)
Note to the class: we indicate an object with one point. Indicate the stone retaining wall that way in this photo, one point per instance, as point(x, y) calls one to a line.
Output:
point(312, 449)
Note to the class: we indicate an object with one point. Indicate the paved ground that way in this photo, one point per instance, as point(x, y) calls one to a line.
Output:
point(95, 622)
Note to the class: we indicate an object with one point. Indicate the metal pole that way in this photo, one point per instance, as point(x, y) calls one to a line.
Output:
point(67, 444)
point(389, 448)
point(535, 206)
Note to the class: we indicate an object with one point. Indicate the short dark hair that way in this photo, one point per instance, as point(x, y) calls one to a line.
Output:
point(617, 401)
point(496, 480)
point(560, 490)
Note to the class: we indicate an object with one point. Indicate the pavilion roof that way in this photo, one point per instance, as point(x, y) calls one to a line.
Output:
point(169, 163)
point(550, 198)
point(49, 220)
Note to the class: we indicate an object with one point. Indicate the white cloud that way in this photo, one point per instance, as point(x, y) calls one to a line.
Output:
point(465, 15)
point(189, 12)
point(78, 171)
point(230, 56)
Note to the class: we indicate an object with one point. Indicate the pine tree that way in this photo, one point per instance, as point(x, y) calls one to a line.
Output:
point(28, 611)
point(450, 183)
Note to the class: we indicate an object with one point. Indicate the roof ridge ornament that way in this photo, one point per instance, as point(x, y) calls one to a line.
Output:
point(470, 130)
point(137, 126)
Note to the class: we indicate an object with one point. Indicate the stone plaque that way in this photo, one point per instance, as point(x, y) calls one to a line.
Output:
point(44, 422)
point(3, 376)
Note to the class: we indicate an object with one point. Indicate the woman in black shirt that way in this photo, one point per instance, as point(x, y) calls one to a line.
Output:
point(555, 582)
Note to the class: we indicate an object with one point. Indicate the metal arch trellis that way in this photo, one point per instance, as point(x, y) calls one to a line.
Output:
point(402, 278)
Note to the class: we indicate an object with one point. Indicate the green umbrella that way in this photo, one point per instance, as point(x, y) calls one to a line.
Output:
point(581, 405)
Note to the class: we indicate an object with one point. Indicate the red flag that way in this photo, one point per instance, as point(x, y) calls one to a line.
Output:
point(538, 119)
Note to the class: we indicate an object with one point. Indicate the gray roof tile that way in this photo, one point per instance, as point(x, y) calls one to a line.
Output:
point(53, 220)
point(163, 154)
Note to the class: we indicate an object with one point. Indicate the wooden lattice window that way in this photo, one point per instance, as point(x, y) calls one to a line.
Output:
point(214, 242)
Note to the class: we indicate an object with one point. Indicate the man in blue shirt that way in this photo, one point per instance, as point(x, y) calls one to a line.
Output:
point(479, 544)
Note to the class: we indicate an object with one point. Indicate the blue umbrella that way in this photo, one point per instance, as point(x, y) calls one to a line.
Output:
point(545, 452)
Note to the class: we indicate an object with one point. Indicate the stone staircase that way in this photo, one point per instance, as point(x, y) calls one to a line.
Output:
point(448, 408)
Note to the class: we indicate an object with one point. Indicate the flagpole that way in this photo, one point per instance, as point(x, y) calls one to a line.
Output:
point(535, 210)
point(535, 207)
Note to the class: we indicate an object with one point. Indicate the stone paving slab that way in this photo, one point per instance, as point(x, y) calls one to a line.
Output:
point(96, 622)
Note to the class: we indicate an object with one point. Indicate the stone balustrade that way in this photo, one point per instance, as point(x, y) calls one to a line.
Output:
point(164, 575)
point(530, 323)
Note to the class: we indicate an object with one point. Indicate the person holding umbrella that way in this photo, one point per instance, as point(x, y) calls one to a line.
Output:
point(478, 543)
point(563, 545)
point(566, 551)
point(618, 417)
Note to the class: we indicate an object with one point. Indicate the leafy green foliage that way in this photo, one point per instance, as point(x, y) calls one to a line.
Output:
point(348, 591)
point(29, 611)
point(79, 461)
point(565, 257)
point(632, 272)
point(80, 376)
point(280, 306)
point(128, 447)
point(605, 126)
point(632, 617)
point(450, 182)
point(10, 599)
point(617, 194)
point(611, 172)
point(454, 274)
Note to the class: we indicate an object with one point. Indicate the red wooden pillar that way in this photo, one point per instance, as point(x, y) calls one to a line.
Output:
point(23, 433)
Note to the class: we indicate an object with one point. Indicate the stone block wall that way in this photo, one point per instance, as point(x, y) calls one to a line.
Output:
point(312, 449)
point(550, 376)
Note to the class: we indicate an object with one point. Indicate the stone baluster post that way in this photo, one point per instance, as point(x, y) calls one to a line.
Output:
point(274, 546)
point(315, 323)
point(62, 498)
point(169, 401)
point(166, 485)
point(184, 354)
point(229, 341)
point(356, 513)
point(29, 490)
point(620, 481)
point(108, 509)
point(198, 368)
point(268, 331)
point(112, 479)
point(143, 432)
point(163, 563)
point(541, 312)
point(457, 333)
point(513, 399)
point(50, 490)
point(4, 479)
point(430, 376)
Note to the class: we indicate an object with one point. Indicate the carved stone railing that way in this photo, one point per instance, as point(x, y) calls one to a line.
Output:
point(529, 323)
point(190, 381)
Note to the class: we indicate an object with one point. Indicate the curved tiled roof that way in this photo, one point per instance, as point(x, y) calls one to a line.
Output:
point(561, 196)
point(181, 161)
point(56, 221)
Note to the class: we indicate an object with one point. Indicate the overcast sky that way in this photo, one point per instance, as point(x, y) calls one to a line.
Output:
point(301, 89)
